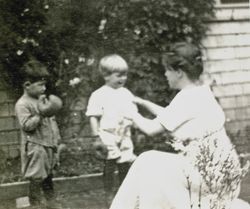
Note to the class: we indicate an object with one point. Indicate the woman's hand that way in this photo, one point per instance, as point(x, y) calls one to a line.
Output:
point(138, 100)
point(150, 106)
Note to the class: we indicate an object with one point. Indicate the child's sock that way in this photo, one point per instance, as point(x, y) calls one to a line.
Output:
point(49, 194)
point(35, 193)
point(123, 170)
point(48, 188)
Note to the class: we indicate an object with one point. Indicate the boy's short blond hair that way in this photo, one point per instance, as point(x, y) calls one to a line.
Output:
point(112, 63)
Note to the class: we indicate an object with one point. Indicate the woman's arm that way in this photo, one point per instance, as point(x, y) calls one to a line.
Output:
point(148, 126)
point(150, 106)
point(94, 125)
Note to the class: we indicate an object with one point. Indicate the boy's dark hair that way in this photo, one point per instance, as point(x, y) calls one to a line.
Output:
point(34, 71)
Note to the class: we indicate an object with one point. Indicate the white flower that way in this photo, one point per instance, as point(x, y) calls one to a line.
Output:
point(90, 61)
point(81, 59)
point(34, 43)
point(187, 29)
point(137, 31)
point(101, 28)
point(102, 24)
point(26, 10)
point(25, 40)
point(39, 31)
point(66, 61)
point(46, 6)
point(73, 82)
point(19, 52)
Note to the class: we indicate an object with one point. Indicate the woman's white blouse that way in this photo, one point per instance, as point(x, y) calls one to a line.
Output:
point(193, 113)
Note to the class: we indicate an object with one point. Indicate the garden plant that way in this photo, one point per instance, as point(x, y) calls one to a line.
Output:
point(70, 36)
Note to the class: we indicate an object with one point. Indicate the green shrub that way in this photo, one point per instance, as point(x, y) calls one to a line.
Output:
point(70, 36)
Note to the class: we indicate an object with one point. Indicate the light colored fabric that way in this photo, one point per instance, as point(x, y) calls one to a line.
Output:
point(194, 177)
point(38, 161)
point(34, 128)
point(114, 107)
point(240, 204)
point(193, 113)
point(37, 135)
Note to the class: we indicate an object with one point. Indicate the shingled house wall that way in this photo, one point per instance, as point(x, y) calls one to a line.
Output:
point(227, 65)
point(9, 134)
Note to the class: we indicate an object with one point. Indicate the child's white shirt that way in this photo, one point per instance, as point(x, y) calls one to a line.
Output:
point(114, 107)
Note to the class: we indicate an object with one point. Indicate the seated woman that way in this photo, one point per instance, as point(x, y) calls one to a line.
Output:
point(206, 173)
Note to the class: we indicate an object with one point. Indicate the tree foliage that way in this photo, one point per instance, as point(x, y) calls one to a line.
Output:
point(69, 37)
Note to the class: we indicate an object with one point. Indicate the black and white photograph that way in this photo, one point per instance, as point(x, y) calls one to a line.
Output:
point(125, 104)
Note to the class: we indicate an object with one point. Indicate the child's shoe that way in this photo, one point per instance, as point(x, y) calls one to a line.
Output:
point(49, 194)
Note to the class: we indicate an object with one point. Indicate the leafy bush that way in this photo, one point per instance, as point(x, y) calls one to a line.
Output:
point(70, 36)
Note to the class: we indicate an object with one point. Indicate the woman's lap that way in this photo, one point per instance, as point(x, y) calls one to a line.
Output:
point(157, 178)
point(160, 180)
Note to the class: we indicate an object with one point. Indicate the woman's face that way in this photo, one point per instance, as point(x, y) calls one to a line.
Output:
point(173, 77)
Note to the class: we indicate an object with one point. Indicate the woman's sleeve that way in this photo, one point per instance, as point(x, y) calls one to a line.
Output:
point(178, 112)
point(94, 107)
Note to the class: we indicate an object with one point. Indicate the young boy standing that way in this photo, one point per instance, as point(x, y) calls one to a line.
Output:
point(39, 136)
point(109, 109)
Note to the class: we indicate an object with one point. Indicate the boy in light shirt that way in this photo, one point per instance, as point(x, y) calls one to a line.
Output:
point(109, 109)
point(40, 137)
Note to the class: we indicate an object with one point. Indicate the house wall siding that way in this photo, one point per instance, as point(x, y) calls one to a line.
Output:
point(227, 68)
point(9, 134)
